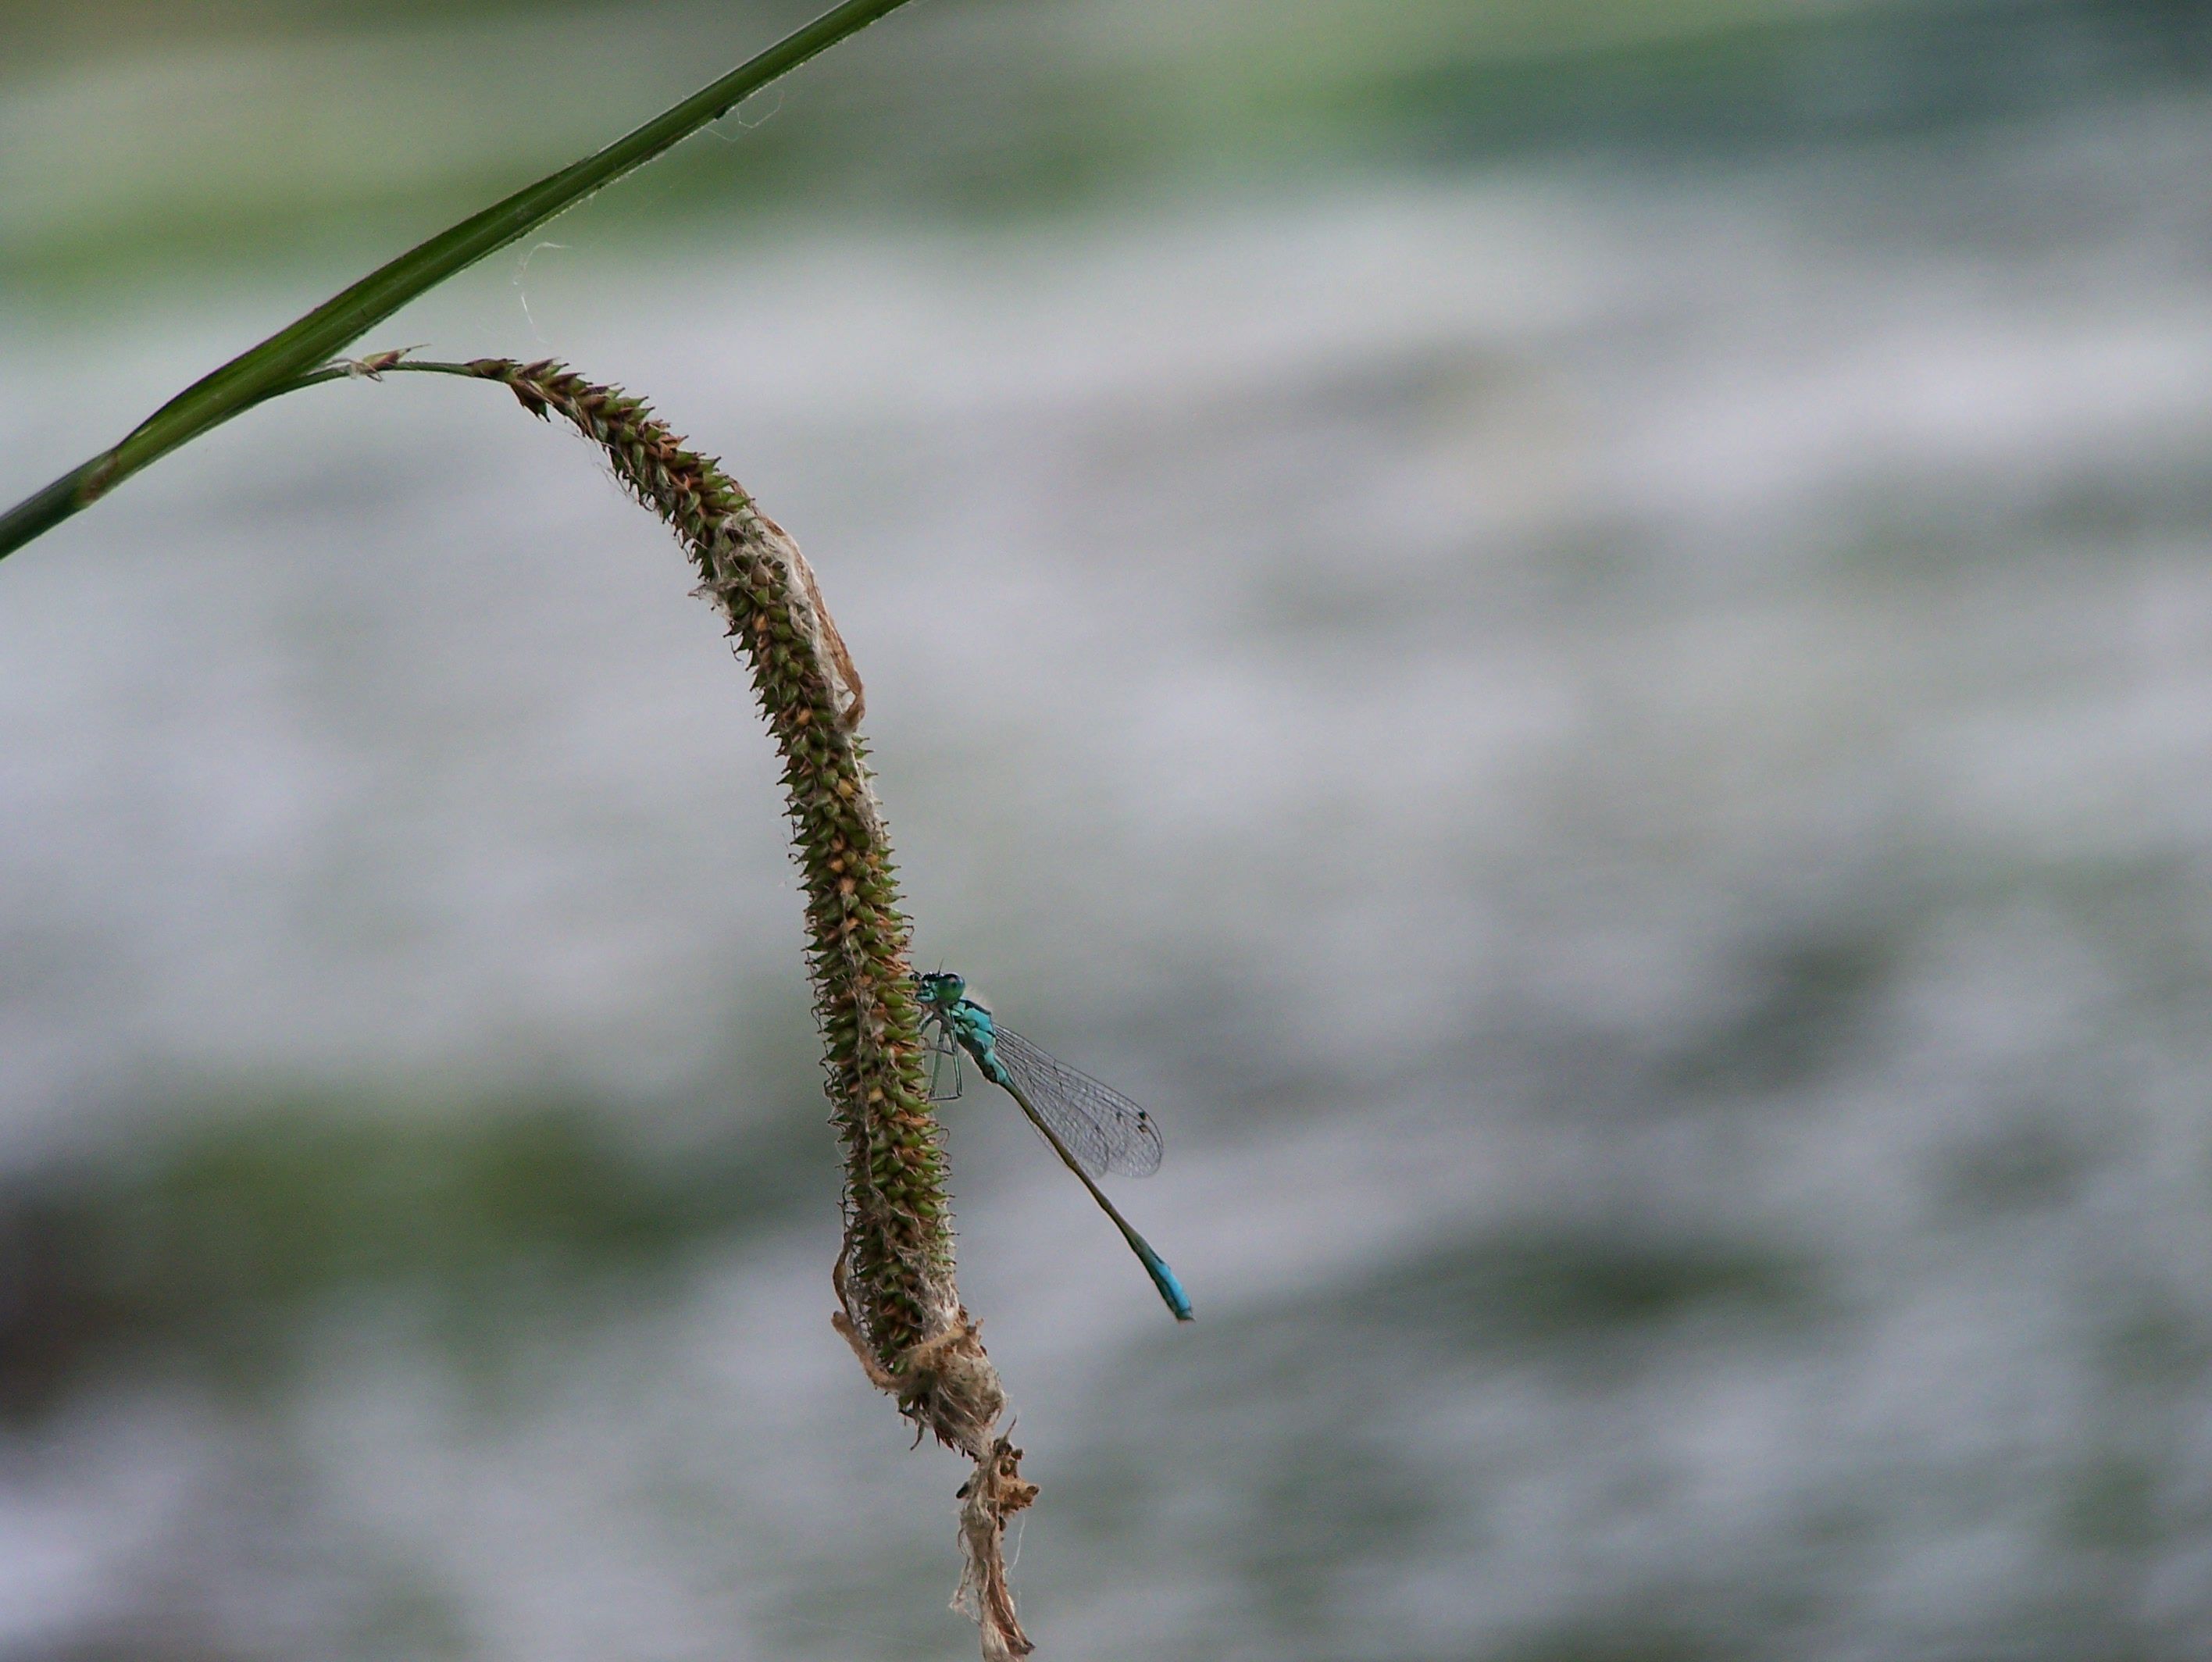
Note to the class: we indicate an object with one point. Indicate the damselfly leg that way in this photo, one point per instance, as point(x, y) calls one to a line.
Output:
point(944, 1047)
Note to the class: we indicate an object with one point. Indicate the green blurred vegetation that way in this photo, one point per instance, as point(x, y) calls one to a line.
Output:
point(1556, 1282)
point(136, 135)
point(217, 1239)
point(1314, 1497)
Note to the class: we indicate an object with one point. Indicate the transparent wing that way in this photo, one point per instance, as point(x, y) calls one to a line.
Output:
point(1101, 1128)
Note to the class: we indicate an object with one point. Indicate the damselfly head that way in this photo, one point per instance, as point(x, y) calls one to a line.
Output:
point(941, 988)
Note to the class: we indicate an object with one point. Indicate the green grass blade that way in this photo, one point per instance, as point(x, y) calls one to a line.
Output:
point(298, 348)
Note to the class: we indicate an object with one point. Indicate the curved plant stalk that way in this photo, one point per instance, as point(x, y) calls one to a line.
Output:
point(281, 362)
point(899, 1309)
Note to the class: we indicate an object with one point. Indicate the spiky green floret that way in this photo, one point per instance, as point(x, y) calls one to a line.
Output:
point(898, 1254)
point(902, 1312)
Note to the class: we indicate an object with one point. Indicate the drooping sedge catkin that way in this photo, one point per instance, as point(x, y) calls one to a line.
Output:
point(899, 1307)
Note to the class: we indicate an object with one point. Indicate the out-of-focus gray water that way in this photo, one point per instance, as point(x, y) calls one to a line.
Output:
point(1620, 754)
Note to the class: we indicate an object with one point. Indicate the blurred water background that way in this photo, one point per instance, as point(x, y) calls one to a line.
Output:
point(1578, 637)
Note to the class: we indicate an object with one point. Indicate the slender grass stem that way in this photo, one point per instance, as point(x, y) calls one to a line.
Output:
point(279, 362)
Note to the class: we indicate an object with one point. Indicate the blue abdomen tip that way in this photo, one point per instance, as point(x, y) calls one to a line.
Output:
point(1171, 1289)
